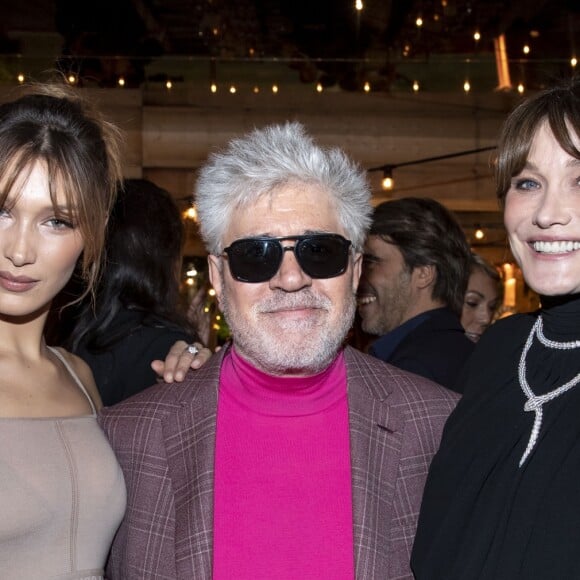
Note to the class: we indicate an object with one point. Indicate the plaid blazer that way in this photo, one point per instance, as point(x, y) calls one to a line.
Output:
point(164, 440)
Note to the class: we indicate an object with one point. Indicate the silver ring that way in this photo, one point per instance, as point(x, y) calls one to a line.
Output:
point(192, 349)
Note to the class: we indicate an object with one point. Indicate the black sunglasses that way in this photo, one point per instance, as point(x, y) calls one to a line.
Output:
point(258, 259)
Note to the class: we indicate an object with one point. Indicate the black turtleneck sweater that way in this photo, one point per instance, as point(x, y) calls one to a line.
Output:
point(482, 516)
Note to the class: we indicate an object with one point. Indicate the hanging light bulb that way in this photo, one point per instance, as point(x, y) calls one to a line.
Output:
point(367, 87)
point(573, 62)
point(168, 85)
point(477, 36)
point(479, 234)
point(387, 182)
point(521, 88)
point(319, 88)
point(416, 86)
point(466, 86)
point(121, 81)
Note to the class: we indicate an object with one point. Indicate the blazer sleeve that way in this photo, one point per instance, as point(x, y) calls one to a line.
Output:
point(144, 546)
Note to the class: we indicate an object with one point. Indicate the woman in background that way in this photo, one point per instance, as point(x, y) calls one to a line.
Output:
point(62, 492)
point(502, 500)
point(482, 298)
point(136, 316)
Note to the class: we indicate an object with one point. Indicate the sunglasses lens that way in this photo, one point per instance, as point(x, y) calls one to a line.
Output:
point(254, 260)
point(323, 255)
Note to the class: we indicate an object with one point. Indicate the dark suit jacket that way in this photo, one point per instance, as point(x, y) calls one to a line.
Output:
point(437, 349)
point(164, 439)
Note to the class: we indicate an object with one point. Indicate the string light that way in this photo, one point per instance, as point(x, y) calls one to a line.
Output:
point(416, 86)
point(419, 22)
point(72, 79)
point(387, 183)
point(168, 85)
point(21, 78)
point(211, 292)
point(233, 90)
point(274, 89)
point(256, 89)
point(213, 88)
point(466, 86)
point(477, 36)
point(367, 87)
point(319, 88)
point(521, 89)
point(121, 82)
point(479, 234)
point(358, 5)
point(526, 49)
point(573, 62)
point(190, 213)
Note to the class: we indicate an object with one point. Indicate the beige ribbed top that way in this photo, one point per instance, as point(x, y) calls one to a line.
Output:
point(62, 497)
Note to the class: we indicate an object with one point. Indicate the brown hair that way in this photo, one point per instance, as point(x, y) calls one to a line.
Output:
point(80, 151)
point(559, 106)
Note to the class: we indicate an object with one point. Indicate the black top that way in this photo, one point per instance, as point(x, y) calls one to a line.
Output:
point(125, 367)
point(436, 348)
point(482, 516)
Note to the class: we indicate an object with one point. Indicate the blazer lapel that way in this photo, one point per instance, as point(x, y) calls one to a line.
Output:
point(190, 443)
point(376, 430)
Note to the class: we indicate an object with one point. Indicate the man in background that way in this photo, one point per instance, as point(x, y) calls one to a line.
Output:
point(416, 267)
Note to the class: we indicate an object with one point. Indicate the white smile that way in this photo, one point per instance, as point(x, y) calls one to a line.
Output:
point(560, 247)
point(362, 300)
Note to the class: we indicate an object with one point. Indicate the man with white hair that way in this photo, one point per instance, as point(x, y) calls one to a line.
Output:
point(287, 455)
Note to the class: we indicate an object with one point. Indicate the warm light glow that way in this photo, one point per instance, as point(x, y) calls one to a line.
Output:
point(190, 281)
point(526, 49)
point(251, 52)
point(479, 234)
point(416, 86)
point(444, 3)
point(168, 85)
point(521, 88)
point(274, 89)
point(319, 88)
point(367, 87)
point(256, 89)
point(466, 86)
point(233, 90)
point(190, 213)
point(218, 317)
point(213, 88)
point(72, 79)
point(121, 82)
point(535, 33)
point(477, 36)
point(216, 326)
point(206, 309)
point(573, 62)
point(419, 22)
point(215, 31)
point(387, 183)
point(211, 292)
point(501, 63)
point(20, 77)
point(358, 5)
point(192, 272)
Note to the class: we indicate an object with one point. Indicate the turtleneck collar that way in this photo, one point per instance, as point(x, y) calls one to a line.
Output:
point(282, 396)
point(561, 316)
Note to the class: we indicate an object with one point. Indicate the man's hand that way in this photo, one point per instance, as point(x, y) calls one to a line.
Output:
point(179, 360)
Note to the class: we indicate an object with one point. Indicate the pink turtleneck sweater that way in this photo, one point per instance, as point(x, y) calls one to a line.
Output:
point(283, 499)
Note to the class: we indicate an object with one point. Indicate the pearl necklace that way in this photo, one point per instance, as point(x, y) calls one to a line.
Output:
point(534, 402)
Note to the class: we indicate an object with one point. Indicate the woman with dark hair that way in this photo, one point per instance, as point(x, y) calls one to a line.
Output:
point(502, 499)
point(482, 297)
point(136, 316)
